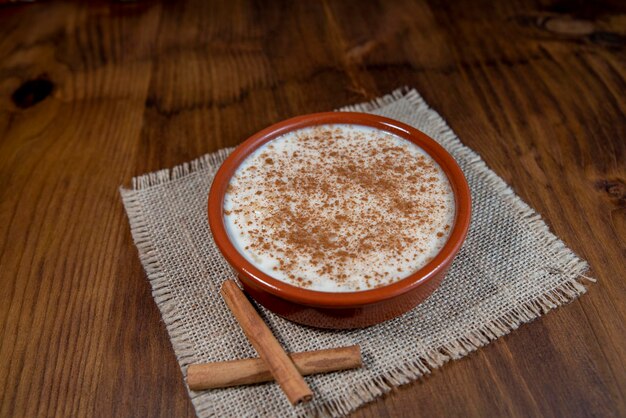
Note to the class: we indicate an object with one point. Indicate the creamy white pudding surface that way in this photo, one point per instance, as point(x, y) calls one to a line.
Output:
point(339, 208)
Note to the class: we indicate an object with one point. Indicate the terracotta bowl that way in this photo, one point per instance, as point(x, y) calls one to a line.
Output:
point(348, 309)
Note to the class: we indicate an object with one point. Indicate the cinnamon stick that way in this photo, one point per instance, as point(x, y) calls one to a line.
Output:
point(248, 371)
point(270, 351)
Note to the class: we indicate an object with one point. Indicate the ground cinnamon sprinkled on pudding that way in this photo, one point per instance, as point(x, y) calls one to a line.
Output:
point(339, 208)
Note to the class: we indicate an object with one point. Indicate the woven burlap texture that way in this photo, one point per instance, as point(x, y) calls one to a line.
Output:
point(510, 270)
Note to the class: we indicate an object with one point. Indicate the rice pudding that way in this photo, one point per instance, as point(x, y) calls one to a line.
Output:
point(339, 208)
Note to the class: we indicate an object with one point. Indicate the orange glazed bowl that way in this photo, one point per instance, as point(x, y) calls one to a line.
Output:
point(340, 310)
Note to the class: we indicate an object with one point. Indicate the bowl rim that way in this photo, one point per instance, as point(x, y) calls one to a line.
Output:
point(321, 299)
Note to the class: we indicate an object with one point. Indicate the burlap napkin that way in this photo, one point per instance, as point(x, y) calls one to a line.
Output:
point(510, 271)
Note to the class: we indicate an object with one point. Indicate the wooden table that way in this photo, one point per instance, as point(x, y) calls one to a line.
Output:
point(91, 96)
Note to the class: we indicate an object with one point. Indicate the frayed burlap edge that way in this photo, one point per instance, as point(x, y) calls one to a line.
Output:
point(355, 397)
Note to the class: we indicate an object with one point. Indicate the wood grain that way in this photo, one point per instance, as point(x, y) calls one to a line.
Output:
point(91, 95)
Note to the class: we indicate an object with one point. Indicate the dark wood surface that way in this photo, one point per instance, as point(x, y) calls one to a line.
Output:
point(92, 95)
